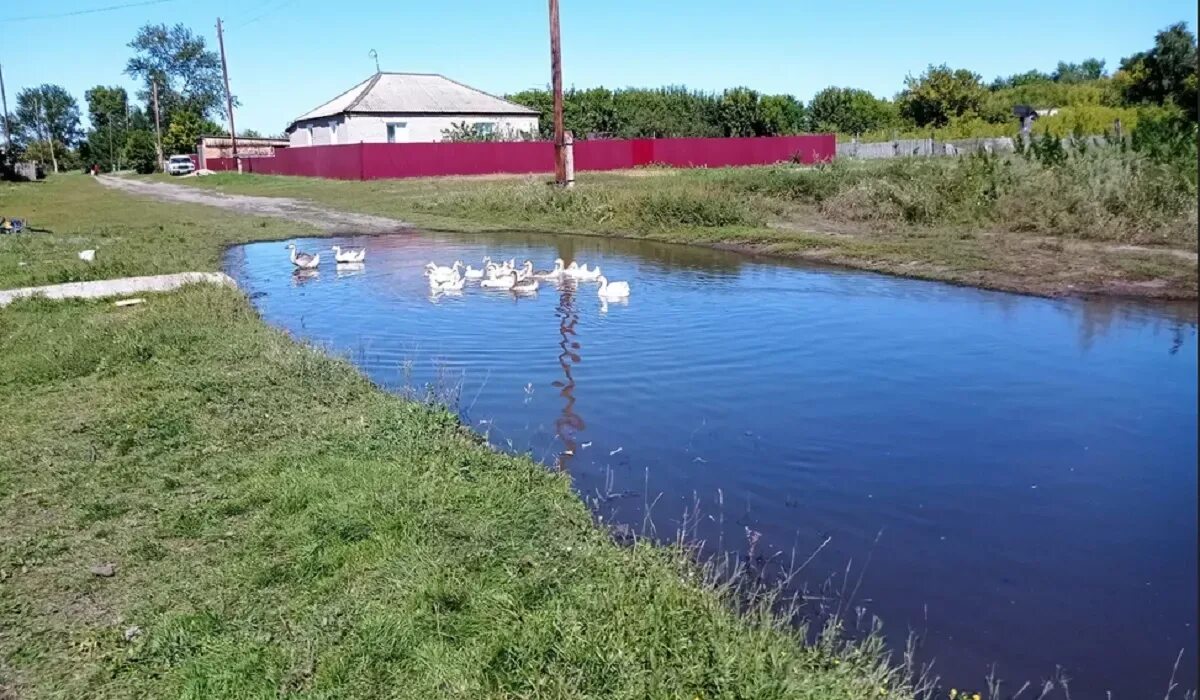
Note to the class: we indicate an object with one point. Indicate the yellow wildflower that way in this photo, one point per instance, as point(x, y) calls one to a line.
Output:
point(953, 693)
point(976, 697)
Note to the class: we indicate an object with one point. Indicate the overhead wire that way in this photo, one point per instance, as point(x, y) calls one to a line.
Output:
point(90, 11)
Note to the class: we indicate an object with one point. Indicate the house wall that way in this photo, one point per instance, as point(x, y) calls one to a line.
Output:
point(372, 128)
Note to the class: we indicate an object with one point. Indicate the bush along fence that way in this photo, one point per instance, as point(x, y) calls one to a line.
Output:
point(373, 161)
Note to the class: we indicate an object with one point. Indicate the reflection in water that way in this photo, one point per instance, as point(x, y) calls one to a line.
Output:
point(568, 422)
point(302, 277)
point(350, 269)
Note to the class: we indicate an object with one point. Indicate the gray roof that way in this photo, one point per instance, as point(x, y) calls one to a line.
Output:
point(422, 93)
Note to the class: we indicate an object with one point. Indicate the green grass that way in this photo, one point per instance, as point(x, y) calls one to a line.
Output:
point(131, 236)
point(980, 221)
point(281, 527)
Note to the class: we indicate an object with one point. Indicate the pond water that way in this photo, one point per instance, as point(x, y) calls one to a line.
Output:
point(1012, 478)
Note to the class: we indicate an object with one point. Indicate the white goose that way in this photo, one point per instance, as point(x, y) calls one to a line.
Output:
point(349, 255)
point(610, 291)
point(303, 260)
point(583, 273)
point(453, 284)
point(472, 273)
point(554, 274)
point(442, 273)
point(503, 282)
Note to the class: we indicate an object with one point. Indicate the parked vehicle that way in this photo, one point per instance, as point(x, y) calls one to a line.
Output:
point(180, 165)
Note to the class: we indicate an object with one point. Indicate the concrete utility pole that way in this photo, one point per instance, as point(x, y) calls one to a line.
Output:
point(228, 96)
point(560, 147)
point(4, 101)
point(157, 125)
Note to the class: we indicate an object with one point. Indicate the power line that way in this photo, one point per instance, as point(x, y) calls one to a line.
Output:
point(94, 10)
point(264, 13)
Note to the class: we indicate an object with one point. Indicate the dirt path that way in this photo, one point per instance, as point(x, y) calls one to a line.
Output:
point(329, 220)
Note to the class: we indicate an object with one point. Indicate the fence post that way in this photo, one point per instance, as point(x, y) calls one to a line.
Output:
point(569, 158)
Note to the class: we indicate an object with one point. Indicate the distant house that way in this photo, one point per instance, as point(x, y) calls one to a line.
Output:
point(407, 107)
point(248, 147)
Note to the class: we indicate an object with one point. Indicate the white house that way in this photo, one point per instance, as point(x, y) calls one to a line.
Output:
point(407, 107)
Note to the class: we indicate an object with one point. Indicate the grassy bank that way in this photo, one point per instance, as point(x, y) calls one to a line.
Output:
point(278, 526)
point(71, 213)
point(1102, 222)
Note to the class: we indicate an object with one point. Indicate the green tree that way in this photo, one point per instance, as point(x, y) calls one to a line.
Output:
point(1166, 74)
point(250, 134)
point(47, 114)
point(187, 73)
point(1090, 69)
point(849, 111)
point(141, 152)
point(941, 94)
point(109, 113)
point(782, 114)
point(740, 114)
point(186, 129)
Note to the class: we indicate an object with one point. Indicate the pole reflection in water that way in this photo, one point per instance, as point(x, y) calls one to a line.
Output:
point(568, 422)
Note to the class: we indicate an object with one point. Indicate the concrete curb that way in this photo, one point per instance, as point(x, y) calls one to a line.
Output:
point(119, 287)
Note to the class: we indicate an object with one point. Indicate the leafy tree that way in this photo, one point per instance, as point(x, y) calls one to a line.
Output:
point(1031, 77)
point(739, 110)
point(186, 129)
point(250, 134)
point(187, 73)
point(849, 111)
point(1166, 74)
point(141, 151)
point(109, 113)
point(941, 94)
point(782, 114)
point(49, 114)
point(1090, 69)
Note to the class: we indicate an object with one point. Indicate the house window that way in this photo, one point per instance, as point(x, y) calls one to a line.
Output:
point(485, 128)
point(397, 132)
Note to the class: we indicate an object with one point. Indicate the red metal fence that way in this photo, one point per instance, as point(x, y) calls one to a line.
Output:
point(372, 161)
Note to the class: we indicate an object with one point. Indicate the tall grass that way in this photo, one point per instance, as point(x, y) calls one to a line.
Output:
point(1101, 193)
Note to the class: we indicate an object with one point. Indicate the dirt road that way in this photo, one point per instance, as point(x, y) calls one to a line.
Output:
point(329, 220)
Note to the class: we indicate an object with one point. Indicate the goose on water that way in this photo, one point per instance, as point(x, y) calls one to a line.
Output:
point(503, 282)
point(453, 284)
point(583, 273)
point(612, 290)
point(303, 260)
point(524, 284)
point(472, 273)
point(442, 273)
point(554, 274)
point(349, 255)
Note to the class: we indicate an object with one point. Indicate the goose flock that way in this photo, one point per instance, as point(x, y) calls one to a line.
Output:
point(505, 275)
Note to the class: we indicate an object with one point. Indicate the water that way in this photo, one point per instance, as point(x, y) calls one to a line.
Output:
point(1013, 478)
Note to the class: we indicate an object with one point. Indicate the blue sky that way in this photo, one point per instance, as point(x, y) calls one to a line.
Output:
point(287, 56)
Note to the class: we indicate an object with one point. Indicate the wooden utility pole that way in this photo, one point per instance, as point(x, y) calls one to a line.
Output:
point(228, 96)
point(4, 101)
point(560, 152)
point(157, 125)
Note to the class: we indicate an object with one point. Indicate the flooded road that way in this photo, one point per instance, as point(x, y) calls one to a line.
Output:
point(1012, 478)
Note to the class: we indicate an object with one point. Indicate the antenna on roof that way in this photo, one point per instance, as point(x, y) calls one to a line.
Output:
point(373, 54)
